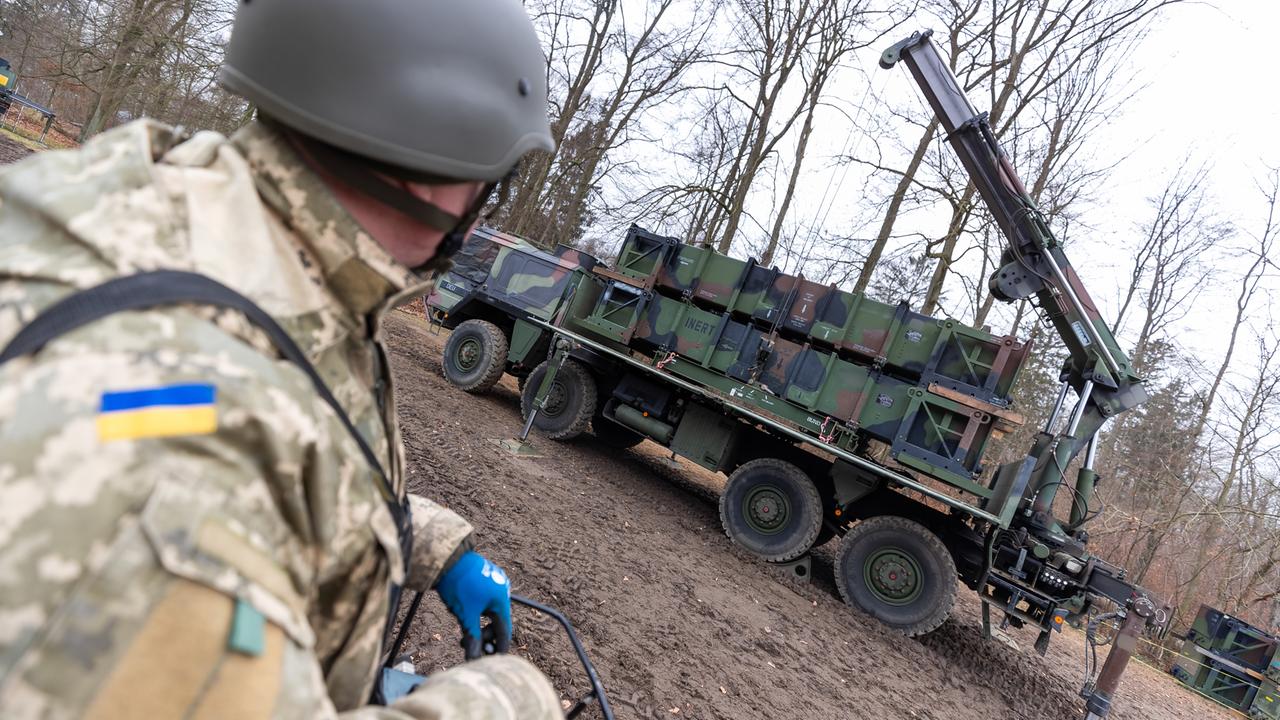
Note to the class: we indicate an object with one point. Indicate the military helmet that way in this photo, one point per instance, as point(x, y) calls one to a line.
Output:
point(448, 89)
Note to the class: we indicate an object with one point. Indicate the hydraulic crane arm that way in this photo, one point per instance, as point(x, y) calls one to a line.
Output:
point(1032, 264)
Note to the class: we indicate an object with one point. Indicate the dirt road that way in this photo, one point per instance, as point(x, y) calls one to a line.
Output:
point(679, 622)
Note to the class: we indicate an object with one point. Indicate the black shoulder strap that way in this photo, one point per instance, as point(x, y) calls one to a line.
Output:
point(171, 287)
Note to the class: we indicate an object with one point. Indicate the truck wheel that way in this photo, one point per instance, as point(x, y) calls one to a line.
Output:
point(475, 356)
point(570, 404)
point(898, 571)
point(771, 508)
point(613, 434)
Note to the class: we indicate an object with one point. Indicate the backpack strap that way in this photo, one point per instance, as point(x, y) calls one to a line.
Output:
point(171, 287)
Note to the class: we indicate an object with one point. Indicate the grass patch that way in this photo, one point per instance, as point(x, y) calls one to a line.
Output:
point(25, 127)
point(22, 140)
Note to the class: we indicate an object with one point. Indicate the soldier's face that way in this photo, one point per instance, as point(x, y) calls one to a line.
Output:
point(456, 198)
point(408, 241)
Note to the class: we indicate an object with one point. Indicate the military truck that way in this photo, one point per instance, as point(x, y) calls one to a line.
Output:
point(500, 285)
point(834, 414)
point(8, 79)
point(9, 96)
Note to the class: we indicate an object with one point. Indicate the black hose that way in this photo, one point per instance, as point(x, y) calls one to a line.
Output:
point(404, 628)
point(596, 688)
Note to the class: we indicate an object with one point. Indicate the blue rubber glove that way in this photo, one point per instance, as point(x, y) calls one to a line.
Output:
point(475, 588)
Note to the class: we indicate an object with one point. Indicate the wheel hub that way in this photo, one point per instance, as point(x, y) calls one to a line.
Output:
point(469, 354)
point(555, 399)
point(766, 509)
point(893, 575)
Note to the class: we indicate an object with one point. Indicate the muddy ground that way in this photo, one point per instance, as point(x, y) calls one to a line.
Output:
point(678, 621)
point(11, 151)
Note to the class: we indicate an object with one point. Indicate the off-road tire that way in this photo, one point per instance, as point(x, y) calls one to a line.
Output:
point(569, 415)
point(485, 358)
point(614, 434)
point(758, 486)
point(892, 535)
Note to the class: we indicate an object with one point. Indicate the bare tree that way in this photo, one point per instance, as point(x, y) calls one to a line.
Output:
point(575, 39)
point(97, 64)
point(1261, 262)
point(837, 23)
point(770, 37)
point(1168, 269)
point(629, 70)
point(1023, 53)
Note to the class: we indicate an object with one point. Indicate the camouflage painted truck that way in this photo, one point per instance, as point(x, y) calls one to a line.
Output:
point(833, 414)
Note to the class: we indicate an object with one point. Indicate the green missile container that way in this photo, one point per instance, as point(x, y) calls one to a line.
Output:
point(1231, 661)
point(922, 426)
point(910, 345)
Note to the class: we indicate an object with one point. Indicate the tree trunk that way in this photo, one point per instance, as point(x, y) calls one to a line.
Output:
point(801, 146)
point(959, 218)
point(529, 196)
point(1210, 537)
point(895, 205)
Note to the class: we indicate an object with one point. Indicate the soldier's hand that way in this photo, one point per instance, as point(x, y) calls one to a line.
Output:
point(474, 588)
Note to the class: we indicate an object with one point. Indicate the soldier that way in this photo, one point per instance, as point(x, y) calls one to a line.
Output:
point(188, 528)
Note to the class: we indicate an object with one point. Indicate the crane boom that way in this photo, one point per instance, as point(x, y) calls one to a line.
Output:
point(1032, 266)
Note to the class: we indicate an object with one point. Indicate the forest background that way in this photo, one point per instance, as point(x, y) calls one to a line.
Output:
point(763, 128)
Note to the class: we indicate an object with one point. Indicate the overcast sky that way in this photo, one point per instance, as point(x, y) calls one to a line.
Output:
point(1210, 92)
point(1204, 82)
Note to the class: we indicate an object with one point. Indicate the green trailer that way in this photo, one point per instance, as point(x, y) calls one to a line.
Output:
point(1232, 662)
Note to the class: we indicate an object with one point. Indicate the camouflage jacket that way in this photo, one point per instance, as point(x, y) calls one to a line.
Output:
point(186, 529)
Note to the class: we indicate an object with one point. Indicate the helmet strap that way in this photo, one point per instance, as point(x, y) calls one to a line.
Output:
point(454, 238)
point(357, 174)
point(371, 178)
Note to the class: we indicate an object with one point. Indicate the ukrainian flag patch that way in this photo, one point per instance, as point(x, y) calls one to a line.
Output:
point(186, 409)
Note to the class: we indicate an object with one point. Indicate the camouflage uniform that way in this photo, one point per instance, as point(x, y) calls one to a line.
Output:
point(173, 570)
